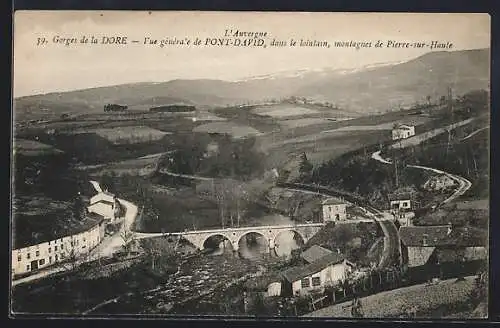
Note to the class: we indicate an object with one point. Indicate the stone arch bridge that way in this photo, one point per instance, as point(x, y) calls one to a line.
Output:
point(234, 235)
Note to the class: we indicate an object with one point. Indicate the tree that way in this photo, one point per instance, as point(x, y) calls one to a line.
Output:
point(128, 240)
point(79, 210)
point(152, 250)
point(305, 167)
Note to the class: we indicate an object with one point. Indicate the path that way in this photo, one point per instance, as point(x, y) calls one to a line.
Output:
point(474, 133)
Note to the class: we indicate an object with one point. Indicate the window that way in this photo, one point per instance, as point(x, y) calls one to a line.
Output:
point(316, 281)
point(19, 258)
point(84, 246)
point(56, 257)
point(62, 256)
point(28, 256)
point(50, 250)
point(305, 283)
point(37, 253)
point(42, 262)
point(49, 242)
point(83, 239)
point(55, 248)
point(50, 259)
point(62, 246)
point(28, 267)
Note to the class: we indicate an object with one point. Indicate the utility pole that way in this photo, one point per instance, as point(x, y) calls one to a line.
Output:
point(396, 171)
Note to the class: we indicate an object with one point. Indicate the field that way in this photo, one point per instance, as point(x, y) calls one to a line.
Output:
point(429, 301)
point(235, 130)
point(303, 122)
point(283, 111)
point(33, 148)
point(130, 134)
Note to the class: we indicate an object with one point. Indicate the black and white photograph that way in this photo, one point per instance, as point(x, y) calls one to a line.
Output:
point(175, 164)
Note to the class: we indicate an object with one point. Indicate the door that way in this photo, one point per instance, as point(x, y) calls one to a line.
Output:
point(34, 265)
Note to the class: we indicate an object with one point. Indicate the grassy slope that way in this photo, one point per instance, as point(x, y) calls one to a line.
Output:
point(433, 301)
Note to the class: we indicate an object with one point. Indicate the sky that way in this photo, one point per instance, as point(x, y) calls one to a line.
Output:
point(55, 67)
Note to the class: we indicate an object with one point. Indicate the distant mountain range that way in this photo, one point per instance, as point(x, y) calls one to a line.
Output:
point(368, 89)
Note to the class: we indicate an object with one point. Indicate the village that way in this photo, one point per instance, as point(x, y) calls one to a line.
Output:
point(315, 274)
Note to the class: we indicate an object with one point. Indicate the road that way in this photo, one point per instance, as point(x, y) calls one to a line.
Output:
point(463, 184)
point(113, 244)
point(105, 249)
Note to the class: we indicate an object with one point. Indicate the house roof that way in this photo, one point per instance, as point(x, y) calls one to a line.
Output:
point(333, 201)
point(438, 236)
point(403, 127)
point(401, 196)
point(314, 253)
point(103, 201)
point(296, 273)
point(461, 254)
point(33, 230)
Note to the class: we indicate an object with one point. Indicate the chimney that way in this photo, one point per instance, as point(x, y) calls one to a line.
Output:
point(424, 239)
point(450, 228)
point(338, 250)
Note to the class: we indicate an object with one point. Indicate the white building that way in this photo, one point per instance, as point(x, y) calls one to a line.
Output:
point(400, 204)
point(105, 204)
point(329, 270)
point(334, 210)
point(403, 131)
point(58, 248)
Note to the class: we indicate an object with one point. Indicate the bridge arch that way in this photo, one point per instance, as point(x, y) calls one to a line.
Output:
point(221, 235)
point(262, 233)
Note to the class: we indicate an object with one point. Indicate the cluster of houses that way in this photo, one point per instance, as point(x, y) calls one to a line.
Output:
point(62, 245)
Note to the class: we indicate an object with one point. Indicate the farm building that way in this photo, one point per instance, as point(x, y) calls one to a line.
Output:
point(400, 202)
point(328, 270)
point(403, 131)
point(268, 284)
point(442, 251)
point(334, 210)
point(114, 108)
point(57, 245)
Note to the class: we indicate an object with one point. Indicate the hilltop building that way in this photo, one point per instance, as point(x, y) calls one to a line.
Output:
point(442, 251)
point(403, 131)
point(334, 210)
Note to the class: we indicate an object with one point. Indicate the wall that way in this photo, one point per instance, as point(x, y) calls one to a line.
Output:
point(330, 212)
point(402, 204)
point(418, 256)
point(330, 275)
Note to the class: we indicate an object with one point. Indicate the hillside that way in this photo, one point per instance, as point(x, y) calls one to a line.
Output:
point(369, 89)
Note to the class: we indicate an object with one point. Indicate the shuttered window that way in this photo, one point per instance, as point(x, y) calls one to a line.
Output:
point(316, 281)
point(305, 283)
